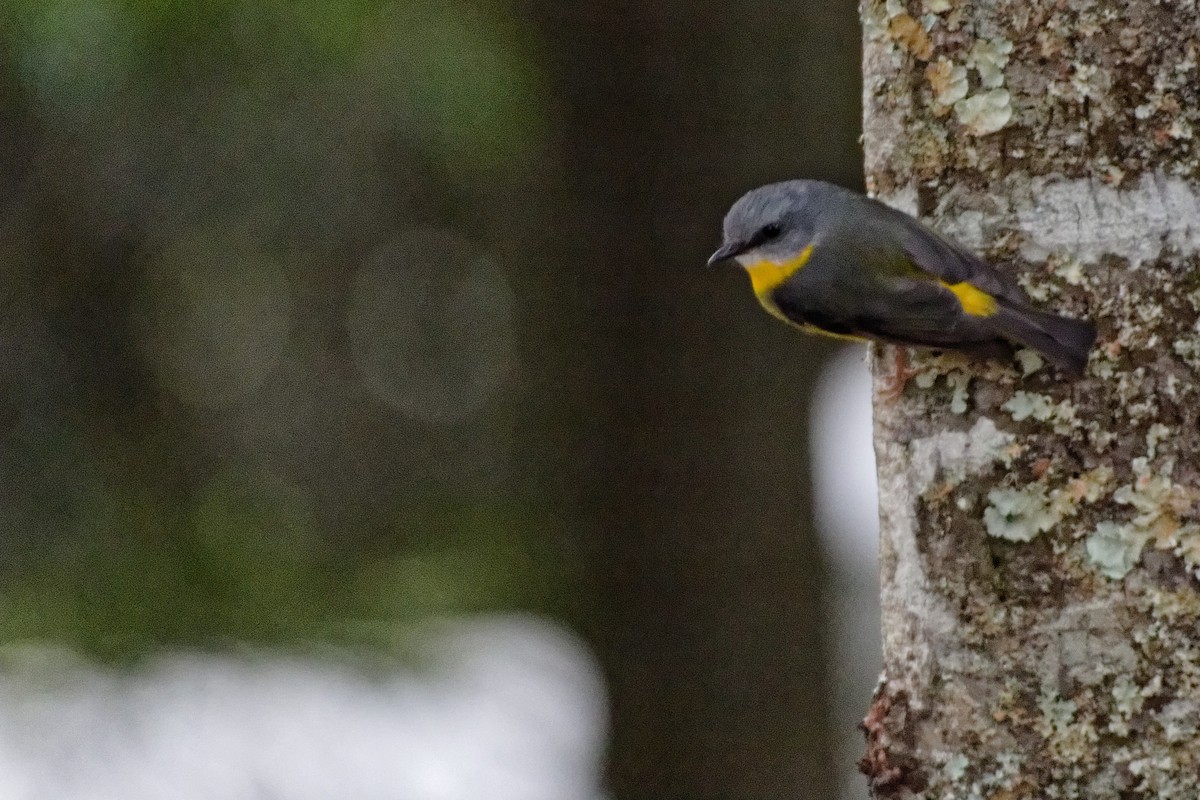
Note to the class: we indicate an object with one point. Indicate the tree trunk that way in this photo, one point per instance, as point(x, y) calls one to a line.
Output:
point(1040, 536)
point(685, 493)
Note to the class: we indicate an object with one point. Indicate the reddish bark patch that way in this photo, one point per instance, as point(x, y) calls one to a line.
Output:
point(889, 764)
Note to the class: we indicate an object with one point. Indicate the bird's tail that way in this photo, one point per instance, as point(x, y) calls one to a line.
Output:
point(1065, 342)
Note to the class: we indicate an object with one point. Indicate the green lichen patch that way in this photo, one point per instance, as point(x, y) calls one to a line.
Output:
point(1115, 549)
point(1019, 515)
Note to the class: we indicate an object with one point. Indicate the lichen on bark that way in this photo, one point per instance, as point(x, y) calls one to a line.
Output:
point(1041, 537)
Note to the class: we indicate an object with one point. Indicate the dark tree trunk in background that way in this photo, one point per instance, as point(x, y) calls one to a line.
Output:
point(687, 490)
point(1041, 537)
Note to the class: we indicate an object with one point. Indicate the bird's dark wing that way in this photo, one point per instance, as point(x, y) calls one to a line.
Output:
point(940, 257)
point(872, 301)
point(921, 312)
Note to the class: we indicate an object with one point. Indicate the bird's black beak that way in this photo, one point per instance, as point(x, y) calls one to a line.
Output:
point(726, 252)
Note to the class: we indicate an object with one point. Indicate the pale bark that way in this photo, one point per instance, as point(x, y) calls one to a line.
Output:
point(1041, 537)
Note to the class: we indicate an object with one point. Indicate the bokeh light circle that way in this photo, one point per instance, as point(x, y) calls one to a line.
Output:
point(431, 326)
point(215, 316)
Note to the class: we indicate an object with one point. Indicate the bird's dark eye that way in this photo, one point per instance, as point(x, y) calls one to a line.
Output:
point(771, 231)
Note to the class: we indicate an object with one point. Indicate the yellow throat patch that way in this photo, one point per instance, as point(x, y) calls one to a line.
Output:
point(766, 275)
point(974, 302)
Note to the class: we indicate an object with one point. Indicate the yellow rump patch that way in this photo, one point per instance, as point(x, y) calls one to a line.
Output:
point(974, 302)
point(766, 275)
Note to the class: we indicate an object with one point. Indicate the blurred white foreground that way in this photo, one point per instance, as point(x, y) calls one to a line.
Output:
point(504, 708)
point(847, 511)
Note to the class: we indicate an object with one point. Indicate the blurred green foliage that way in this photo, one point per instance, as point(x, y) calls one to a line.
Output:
point(457, 78)
point(187, 454)
point(243, 563)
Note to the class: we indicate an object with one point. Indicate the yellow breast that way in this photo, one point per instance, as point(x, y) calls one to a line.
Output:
point(765, 275)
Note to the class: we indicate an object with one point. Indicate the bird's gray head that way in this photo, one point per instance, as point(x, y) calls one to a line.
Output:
point(771, 223)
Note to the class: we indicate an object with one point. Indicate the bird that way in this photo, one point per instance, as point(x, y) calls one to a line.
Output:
point(831, 261)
